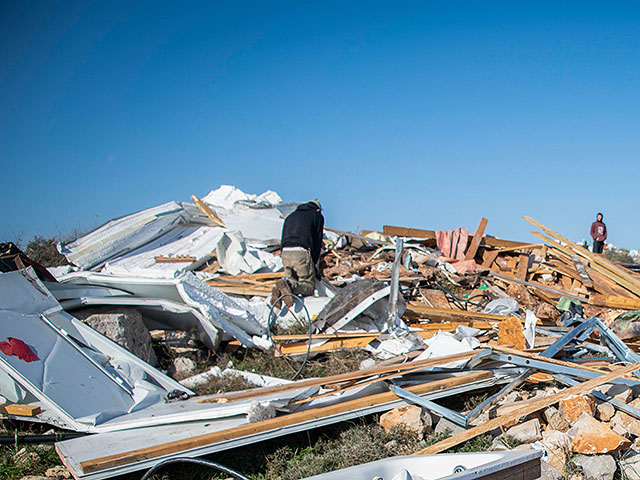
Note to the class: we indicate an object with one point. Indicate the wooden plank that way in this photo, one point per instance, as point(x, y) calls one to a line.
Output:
point(527, 408)
point(240, 290)
point(490, 257)
point(607, 268)
point(176, 259)
point(168, 448)
point(452, 315)
point(20, 409)
point(204, 208)
point(436, 298)
point(526, 246)
point(537, 285)
point(364, 373)
point(582, 271)
point(523, 267)
point(614, 301)
point(359, 237)
point(331, 345)
point(601, 283)
point(477, 238)
point(431, 235)
point(260, 276)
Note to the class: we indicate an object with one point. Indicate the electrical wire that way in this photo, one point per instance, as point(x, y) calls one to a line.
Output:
point(195, 461)
point(273, 317)
point(460, 302)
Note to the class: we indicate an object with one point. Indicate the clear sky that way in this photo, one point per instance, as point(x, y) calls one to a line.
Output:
point(420, 114)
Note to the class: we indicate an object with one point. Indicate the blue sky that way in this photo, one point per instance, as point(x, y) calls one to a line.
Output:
point(420, 114)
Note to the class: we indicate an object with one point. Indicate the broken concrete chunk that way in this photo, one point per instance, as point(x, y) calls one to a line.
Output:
point(627, 423)
point(590, 437)
point(558, 461)
point(605, 412)
point(182, 367)
point(601, 467)
point(408, 416)
point(556, 419)
point(124, 326)
point(547, 472)
point(574, 406)
point(630, 467)
point(498, 445)
point(555, 441)
point(447, 426)
point(619, 392)
point(58, 472)
point(527, 432)
point(511, 398)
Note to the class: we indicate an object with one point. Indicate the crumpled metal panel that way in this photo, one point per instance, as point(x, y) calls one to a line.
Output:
point(80, 377)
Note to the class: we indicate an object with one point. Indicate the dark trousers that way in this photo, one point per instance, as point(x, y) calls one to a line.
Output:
point(597, 246)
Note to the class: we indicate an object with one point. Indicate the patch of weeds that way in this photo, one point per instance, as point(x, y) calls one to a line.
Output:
point(481, 443)
point(335, 363)
point(570, 468)
point(468, 401)
point(226, 383)
point(359, 444)
point(509, 441)
point(26, 460)
point(22, 460)
point(436, 437)
point(472, 401)
point(45, 252)
point(266, 363)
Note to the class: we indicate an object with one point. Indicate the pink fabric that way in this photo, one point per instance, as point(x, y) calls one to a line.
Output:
point(464, 266)
point(453, 243)
point(17, 347)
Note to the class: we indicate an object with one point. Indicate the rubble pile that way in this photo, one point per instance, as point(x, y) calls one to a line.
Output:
point(543, 333)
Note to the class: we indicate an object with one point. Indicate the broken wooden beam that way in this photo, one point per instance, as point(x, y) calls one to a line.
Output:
point(176, 259)
point(477, 238)
point(431, 235)
point(20, 409)
point(204, 208)
point(168, 448)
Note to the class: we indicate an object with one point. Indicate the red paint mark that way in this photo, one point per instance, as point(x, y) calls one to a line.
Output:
point(17, 347)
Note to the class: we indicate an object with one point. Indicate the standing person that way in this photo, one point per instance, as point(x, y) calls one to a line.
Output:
point(301, 243)
point(598, 233)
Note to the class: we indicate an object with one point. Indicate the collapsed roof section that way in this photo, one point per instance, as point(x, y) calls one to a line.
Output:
point(174, 237)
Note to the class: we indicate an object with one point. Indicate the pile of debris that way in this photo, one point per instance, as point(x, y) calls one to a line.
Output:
point(544, 332)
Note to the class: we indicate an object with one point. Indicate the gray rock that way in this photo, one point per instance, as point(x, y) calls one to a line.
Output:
point(547, 472)
point(556, 419)
point(124, 326)
point(511, 398)
point(445, 425)
point(596, 467)
point(605, 412)
point(498, 445)
point(630, 467)
point(182, 367)
point(527, 432)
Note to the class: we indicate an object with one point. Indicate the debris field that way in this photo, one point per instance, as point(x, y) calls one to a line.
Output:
point(544, 334)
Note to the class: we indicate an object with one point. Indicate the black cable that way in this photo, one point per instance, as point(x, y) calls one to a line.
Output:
point(273, 317)
point(459, 301)
point(48, 438)
point(195, 461)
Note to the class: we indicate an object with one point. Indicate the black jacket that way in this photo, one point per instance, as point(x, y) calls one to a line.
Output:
point(304, 228)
